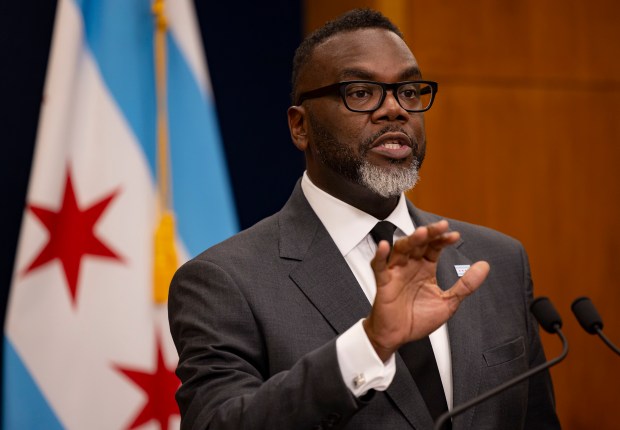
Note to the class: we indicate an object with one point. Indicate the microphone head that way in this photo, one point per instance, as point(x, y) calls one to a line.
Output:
point(587, 315)
point(546, 315)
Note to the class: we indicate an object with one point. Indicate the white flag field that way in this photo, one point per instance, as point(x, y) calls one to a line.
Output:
point(86, 338)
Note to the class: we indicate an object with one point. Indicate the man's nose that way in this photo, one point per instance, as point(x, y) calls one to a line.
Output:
point(390, 107)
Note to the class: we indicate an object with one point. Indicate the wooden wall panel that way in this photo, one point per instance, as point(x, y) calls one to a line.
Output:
point(525, 138)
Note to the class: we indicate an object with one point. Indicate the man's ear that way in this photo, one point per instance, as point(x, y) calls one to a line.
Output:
point(297, 124)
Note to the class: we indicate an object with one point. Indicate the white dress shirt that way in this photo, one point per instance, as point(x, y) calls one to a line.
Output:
point(349, 227)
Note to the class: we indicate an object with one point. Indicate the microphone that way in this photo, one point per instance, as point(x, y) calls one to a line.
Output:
point(549, 319)
point(590, 320)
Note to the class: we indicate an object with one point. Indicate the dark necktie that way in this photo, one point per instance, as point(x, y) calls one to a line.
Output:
point(418, 355)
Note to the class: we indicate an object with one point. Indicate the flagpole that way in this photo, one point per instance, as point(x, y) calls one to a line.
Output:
point(166, 260)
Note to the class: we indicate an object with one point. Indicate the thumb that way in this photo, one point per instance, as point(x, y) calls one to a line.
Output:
point(470, 281)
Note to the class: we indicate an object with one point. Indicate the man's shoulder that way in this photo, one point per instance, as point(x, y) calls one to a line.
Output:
point(473, 234)
point(258, 238)
point(284, 233)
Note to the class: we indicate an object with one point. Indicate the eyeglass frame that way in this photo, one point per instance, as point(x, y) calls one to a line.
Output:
point(340, 86)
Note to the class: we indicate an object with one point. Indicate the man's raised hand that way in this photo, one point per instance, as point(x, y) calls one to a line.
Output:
point(409, 304)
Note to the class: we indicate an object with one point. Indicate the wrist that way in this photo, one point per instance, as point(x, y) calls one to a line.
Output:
point(383, 352)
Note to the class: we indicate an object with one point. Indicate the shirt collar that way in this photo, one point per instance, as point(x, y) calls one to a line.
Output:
point(347, 225)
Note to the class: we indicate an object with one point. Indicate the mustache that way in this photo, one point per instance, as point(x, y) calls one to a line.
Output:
point(366, 145)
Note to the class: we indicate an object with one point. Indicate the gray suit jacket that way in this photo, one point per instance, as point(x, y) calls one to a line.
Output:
point(255, 320)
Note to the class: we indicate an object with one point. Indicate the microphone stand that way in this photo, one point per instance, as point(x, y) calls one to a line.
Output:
point(605, 339)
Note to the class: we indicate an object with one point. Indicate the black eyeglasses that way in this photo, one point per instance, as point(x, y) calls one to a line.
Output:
point(368, 96)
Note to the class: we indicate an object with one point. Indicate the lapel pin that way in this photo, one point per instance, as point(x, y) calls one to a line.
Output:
point(461, 269)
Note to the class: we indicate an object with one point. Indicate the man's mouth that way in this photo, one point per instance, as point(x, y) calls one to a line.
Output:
point(395, 145)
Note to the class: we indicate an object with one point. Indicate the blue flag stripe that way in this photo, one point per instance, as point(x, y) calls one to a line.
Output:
point(120, 36)
point(25, 407)
point(202, 194)
point(119, 33)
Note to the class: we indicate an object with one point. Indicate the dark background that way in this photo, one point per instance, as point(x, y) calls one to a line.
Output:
point(248, 44)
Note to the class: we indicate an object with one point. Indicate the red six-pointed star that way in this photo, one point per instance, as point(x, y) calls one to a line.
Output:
point(159, 387)
point(71, 235)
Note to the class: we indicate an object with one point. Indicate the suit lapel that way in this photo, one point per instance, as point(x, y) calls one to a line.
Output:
point(406, 395)
point(322, 273)
point(463, 328)
point(464, 332)
point(325, 278)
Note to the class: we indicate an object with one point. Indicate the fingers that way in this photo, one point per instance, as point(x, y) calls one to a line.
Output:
point(469, 282)
point(437, 228)
point(379, 264)
point(426, 242)
point(434, 247)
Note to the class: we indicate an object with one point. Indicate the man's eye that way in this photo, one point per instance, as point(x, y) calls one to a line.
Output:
point(409, 93)
point(359, 93)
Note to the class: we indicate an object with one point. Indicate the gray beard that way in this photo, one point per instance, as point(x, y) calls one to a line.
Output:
point(388, 182)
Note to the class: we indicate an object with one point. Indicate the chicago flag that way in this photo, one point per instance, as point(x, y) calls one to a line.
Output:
point(127, 142)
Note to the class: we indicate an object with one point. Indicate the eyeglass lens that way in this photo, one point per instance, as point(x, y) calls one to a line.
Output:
point(368, 96)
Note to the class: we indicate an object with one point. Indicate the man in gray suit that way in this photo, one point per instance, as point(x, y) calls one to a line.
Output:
point(304, 322)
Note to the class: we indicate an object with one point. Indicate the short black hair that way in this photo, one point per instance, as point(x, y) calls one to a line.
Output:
point(352, 20)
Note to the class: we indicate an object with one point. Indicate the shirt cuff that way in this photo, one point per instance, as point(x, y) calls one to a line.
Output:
point(361, 368)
